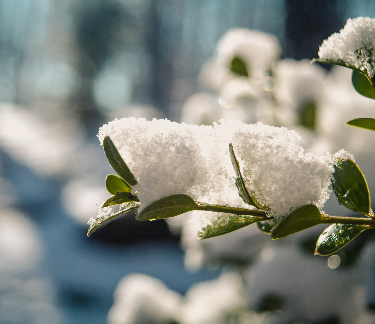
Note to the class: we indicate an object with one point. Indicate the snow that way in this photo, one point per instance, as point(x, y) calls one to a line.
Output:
point(276, 170)
point(140, 298)
point(169, 158)
point(164, 156)
point(353, 45)
point(143, 299)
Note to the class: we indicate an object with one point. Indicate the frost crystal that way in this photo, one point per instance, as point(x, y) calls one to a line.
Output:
point(353, 46)
point(91, 221)
point(169, 158)
point(343, 155)
point(105, 214)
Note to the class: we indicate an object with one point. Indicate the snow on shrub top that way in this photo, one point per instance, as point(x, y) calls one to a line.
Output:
point(276, 170)
point(170, 158)
point(353, 45)
point(164, 156)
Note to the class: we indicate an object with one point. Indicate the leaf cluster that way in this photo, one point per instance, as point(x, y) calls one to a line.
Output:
point(348, 183)
point(120, 187)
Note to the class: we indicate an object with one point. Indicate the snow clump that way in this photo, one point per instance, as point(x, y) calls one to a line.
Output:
point(170, 158)
point(164, 156)
point(275, 168)
point(353, 45)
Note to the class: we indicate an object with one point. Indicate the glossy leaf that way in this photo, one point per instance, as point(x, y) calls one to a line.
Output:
point(350, 187)
point(240, 184)
point(298, 220)
point(100, 221)
point(115, 184)
point(337, 62)
point(120, 198)
point(331, 62)
point(367, 123)
point(363, 85)
point(168, 207)
point(225, 224)
point(361, 80)
point(115, 160)
point(337, 236)
point(266, 226)
point(238, 66)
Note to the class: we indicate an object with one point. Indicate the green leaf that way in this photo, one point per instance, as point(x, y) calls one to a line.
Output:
point(307, 115)
point(168, 207)
point(266, 226)
point(115, 184)
point(100, 221)
point(225, 224)
point(362, 70)
point(240, 184)
point(363, 85)
point(120, 198)
point(238, 66)
point(298, 220)
point(337, 236)
point(115, 160)
point(350, 187)
point(337, 62)
point(367, 123)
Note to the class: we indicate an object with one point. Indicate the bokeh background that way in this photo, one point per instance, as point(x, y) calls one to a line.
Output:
point(66, 68)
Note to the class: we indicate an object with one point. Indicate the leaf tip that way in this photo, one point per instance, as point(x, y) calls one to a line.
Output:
point(117, 163)
point(274, 235)
point(91, 230)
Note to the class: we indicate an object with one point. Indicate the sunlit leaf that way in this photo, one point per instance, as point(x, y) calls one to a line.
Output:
point(168, 207)
point(240, 184)
point(367, 123)
point(336, 62)
point(363, 85)
point(337, 236)
point(120, 198)
point(100, 221)
point(350, 187)
point(298, 220)
point(360, 79)
point(238, 66)
point(266, 226)
point(115, 160)
point(115, 184)
point(225, 224)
